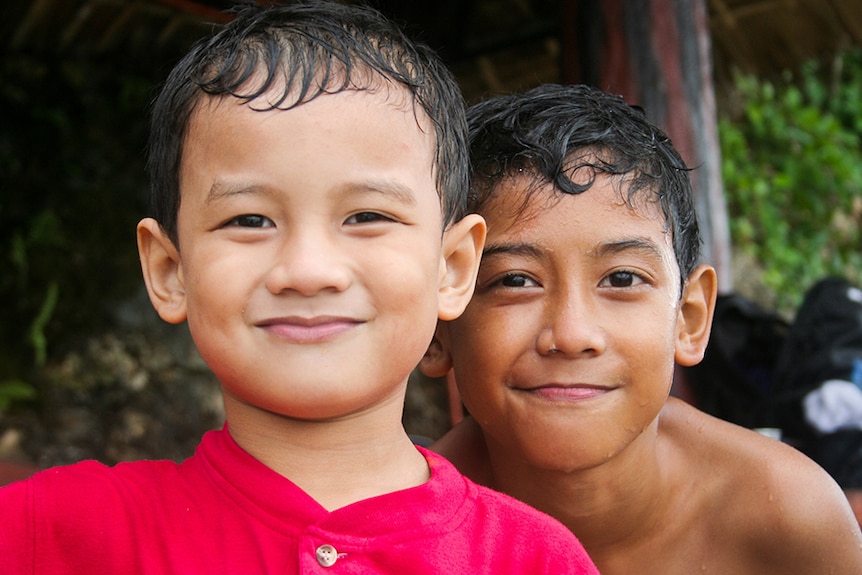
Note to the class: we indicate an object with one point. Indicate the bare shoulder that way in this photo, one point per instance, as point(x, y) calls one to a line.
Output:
point(774, 505)
point(464, 445)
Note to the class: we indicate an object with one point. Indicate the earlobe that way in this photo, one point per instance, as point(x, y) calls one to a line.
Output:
point(160, 263)
point(437, 361)
point(462, 249)
point(695, 315)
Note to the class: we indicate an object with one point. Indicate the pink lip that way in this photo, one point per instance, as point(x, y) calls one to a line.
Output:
point(308, 330)
point(560, 392)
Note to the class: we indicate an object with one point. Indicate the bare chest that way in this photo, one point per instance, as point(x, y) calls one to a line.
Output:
point(686, 547)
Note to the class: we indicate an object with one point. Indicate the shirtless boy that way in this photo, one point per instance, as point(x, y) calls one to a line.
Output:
point(588, 292)
point(309, 183)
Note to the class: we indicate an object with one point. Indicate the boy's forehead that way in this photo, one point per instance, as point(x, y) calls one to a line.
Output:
point(391, 97)
point(591, 222)
point(382, 123)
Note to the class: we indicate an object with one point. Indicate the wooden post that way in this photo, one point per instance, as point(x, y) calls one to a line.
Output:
point(657, 54)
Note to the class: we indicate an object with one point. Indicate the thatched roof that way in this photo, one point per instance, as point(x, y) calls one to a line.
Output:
point(491, 44)
point(766, 36)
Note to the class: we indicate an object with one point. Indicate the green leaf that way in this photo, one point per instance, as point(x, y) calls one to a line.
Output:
point(14, 390)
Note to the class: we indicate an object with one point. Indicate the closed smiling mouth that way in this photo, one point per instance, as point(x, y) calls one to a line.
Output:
point(566, 392)
point(317, 329)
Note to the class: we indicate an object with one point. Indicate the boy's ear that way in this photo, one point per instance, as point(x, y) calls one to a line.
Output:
point(462, 248)
point(160, 262)
point(437, 361)
point(695, 315)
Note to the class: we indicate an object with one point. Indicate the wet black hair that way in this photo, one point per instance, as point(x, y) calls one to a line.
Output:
point(553, 130)
point(305, 49)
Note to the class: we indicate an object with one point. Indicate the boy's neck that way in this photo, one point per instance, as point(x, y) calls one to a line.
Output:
point(609, 505)
point(336, 462)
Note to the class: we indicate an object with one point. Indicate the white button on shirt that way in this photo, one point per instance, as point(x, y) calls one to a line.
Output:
point(327, 555)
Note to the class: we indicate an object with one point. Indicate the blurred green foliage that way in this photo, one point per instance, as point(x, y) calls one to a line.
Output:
point(792, 169)
point(72, 187)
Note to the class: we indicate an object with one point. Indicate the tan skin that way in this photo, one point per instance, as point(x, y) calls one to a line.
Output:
point(699, 521)
point(565, 358)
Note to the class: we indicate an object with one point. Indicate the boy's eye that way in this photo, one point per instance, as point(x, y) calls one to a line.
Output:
point(366, 218)
point(621, 279)
point(251, 221)
point(515, 280)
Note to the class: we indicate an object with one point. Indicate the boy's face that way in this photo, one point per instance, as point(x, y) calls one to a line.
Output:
point(309, 254)
point(565, 353)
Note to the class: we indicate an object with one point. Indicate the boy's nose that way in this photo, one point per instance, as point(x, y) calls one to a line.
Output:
point(572, 329)
point(309, 263)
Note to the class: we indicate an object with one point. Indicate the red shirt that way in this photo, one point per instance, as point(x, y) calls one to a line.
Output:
point(222, 511)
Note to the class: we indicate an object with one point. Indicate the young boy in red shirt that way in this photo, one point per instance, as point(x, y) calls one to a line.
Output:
point(589, 291)
point(309, 184)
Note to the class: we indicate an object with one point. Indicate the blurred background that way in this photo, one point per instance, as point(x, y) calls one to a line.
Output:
point(763, 97)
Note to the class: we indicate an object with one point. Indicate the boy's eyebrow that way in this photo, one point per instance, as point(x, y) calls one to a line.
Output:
point(518, 249)
point(221, 189)
point(642, 245)
point(404, 194)
point(396, 190)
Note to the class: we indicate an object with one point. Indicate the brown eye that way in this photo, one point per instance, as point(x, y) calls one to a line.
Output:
point(251, 221)
point(621, 279)
point(516, 281)
point(366, 218)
